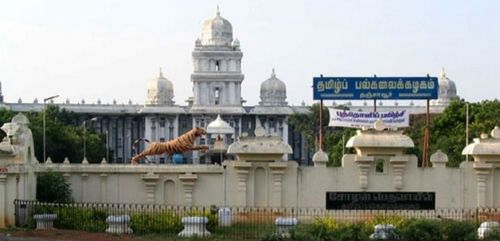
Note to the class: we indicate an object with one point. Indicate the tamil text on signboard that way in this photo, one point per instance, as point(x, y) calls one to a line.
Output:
point(381, 200)
point(359, 119)
point(352, 88)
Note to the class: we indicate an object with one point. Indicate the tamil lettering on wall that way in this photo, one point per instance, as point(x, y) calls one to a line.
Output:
point(358, 119)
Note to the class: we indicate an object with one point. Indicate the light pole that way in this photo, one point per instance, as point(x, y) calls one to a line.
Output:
point(107, 146)
point(84, 137)
point(43, 114)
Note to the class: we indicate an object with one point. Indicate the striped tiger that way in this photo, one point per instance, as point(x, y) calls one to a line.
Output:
point(180, 144)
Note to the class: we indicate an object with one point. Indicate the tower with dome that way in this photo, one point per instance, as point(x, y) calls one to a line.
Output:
point(216, 73)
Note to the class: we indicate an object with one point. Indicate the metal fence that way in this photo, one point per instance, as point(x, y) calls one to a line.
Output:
point(235, 223)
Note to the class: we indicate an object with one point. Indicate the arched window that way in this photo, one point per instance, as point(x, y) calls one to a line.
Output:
point(217, 65)
point(217, 95)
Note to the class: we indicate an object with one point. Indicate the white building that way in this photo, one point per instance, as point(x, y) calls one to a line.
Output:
point(217, 79)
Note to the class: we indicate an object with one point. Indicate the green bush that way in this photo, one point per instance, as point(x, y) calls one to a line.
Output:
point(351, 232)
point(93, 219)
point(328, 229)
point(51, 187)
point(273, 236)
point(458, 231)
point(393, 219)
point(421, 230)
point(163, 222)
point(76, 218)
point(438, 230)
point(494, 236)
point(211, 214)
point(302, 233)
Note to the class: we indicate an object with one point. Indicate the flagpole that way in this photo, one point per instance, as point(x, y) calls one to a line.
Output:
point(425, 158)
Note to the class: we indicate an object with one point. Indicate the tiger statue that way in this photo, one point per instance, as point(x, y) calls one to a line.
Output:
point(180, 144)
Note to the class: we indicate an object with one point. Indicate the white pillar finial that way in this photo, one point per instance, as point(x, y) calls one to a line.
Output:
point(273, 74)
point(218, 11)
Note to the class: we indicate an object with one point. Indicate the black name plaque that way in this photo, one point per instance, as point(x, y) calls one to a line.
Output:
point(381, 200)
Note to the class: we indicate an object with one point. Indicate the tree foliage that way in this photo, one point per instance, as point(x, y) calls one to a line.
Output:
point(308, 124)
point(5, 116)
point(447, 130)
point(333, 138)
point(63, 137)
point(51, 187)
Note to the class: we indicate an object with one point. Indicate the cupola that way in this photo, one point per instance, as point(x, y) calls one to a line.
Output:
point(273, 92)
point(160, 91)
point(447, 90)
point(217, 31)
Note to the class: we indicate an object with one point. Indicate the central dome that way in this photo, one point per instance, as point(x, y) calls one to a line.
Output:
point(217, 31)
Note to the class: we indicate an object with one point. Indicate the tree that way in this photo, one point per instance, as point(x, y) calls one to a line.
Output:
point(447, 130)
point(63, 137)
point(51, 187)
point(307, 124)
point(5, 116)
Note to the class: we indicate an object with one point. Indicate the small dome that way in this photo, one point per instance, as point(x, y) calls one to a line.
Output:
point(20, 119)
point(217, 31)
point(160, 91)
point(219, 126)
point(447, 90)
point(236, 43)
point(447, 87)
point(320, 157)
point(273, 92)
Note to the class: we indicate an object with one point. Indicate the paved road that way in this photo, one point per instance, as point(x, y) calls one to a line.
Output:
point(4, 237)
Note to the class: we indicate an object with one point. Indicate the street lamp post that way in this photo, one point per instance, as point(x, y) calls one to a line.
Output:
point(85, 138)
point(43, 114)
point(107, 146)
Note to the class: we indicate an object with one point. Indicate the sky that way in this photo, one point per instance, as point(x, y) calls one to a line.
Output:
point(111, 49)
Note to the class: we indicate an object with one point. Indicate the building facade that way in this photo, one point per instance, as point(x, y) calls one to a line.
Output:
point(217, 80)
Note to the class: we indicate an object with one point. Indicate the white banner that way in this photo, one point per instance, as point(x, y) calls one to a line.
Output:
point(357, 119)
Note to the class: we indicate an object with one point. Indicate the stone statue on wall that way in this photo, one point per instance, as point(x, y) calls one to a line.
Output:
point(17, 145)
point(180, 144)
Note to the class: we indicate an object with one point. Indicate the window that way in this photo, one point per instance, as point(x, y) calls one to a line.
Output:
point(216, 94)
point(162, 139)
point(379, 165)
point(153, 124)
point(171, 132)
point(162, 122)
point(217, 65)
point(272, 125)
